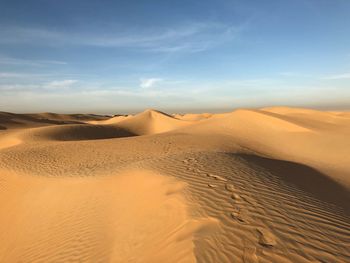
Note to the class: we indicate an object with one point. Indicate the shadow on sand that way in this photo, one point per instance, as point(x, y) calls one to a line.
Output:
point(305, 178)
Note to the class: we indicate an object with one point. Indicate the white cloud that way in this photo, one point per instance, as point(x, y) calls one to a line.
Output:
point(11, 75)
point(338, 76)
point(191, 93)
point(57, 84)
point(4, 60)
point(149, 83)
point(16, 88)
point(127, 93)
point(52, 86)
point(28, 76)
point(289, 74)
point(191, 37)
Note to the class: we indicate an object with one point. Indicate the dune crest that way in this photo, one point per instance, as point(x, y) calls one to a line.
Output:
point(152, 122)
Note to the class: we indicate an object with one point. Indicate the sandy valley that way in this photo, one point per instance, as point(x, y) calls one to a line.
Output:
point(267, 185)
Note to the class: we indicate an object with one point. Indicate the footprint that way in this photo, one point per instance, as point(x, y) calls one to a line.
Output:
point(235, 197)
point(230, 187)
point(249, 255)
point(217, 177)
point(239, 216)
point(266, 238)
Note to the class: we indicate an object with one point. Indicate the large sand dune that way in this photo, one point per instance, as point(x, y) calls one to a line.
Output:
point(267, 185)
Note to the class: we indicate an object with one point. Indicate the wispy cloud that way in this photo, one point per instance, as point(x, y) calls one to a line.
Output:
point(51, 87)
point(58, 84)
point(4, 60)
point(337, 76)
point(16, 88)
point(130, 93)
point(149, 83)
point(5, 75)
point(192, 37)
point(59, 88)
point(226, 93)
point(26, 77)
point(290, 74)
point(15, 75)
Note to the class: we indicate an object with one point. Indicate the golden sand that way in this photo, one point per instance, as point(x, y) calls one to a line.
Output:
point(267, 185)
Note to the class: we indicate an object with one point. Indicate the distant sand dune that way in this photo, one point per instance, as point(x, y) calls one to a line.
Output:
point(146, 123)
point(12, 120)
point(267, 185)
point(152, 122)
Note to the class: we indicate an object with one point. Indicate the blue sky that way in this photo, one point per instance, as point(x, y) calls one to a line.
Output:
point(121, 56)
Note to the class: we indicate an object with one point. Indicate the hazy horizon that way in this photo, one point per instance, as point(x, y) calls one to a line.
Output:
point(111, 57)
point(125, 111)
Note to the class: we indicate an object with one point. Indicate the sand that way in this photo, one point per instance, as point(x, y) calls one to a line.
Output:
point(267, 185)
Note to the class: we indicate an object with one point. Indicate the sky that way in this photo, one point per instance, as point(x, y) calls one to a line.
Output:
point(105, 56)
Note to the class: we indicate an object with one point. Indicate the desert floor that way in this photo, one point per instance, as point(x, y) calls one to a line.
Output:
point(267, 185)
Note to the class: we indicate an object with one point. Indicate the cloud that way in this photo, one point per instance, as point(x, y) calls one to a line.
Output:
point(290, 74)
point(6, 75)
point(4, 60)
point(338, 76)
point(130, 93)
point(19, 75)
point(149, 83)
point(190, 37)
point(47, 87)
point(58, 84)
point(15, 89)
point(191, 93)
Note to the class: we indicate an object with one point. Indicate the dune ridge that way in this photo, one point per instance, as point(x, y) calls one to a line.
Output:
point(152, 122)
point(251, 185)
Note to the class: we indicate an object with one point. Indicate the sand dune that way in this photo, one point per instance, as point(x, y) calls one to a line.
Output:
point(151, 122)
point(12, 120)
point(145, 123)
point(282, 137)
point(267, 185)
